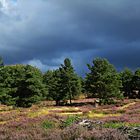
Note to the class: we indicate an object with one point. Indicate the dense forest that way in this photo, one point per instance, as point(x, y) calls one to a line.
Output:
point(24, 85)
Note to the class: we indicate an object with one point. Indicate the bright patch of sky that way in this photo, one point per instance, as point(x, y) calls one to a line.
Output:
point(8, 7)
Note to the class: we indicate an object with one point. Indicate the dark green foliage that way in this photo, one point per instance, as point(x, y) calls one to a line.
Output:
point(82, 81)
point(136, 80)
point(62, 83)
point(49, 82)
point(31, 88)
point(21, 85)
point(52, 79)
point(126, 77)
point(136, 84)
point(131, 83)
point(103, 81)
point(71, 84)
point(9, 79)
point(1, 62)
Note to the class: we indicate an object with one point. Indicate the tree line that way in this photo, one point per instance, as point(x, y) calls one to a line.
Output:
point(24, 85)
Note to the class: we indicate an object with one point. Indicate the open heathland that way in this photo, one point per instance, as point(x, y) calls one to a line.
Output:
point(47, 121)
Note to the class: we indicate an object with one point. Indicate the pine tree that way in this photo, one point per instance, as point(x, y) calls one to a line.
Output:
point(71, 84)
point(21, 85)
point(103, 81)
point(52, 79)
point(136, 84)
point(31, 88)
point(126, 77)
point(1, 62)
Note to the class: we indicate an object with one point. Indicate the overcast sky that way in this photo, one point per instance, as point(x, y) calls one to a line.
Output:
point(44, 32)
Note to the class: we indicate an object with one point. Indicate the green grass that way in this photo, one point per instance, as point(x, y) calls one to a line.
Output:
point(113, 125)
point(118, 125)
point(69, 121)
point(47, 124)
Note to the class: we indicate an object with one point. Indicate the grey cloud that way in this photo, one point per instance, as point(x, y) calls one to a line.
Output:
point(46, 31)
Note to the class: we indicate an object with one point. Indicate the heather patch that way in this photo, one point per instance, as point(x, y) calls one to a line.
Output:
point(51, 122)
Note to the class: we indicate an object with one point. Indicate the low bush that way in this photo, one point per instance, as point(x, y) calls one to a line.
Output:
point(113, 125)
point(47, 124)
point(69, 121)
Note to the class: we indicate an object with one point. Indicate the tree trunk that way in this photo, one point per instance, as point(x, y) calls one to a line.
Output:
point(70, 99)
point(57, 103)
point(70, 96)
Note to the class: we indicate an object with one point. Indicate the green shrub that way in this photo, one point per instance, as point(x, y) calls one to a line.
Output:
point(113, 125)
point(47, 124)
point(134, 125)
point(118, 125)
point(69, 121)
point(107, 101)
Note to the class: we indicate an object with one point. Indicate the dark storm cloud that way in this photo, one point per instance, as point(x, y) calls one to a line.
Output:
point(44, 32)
